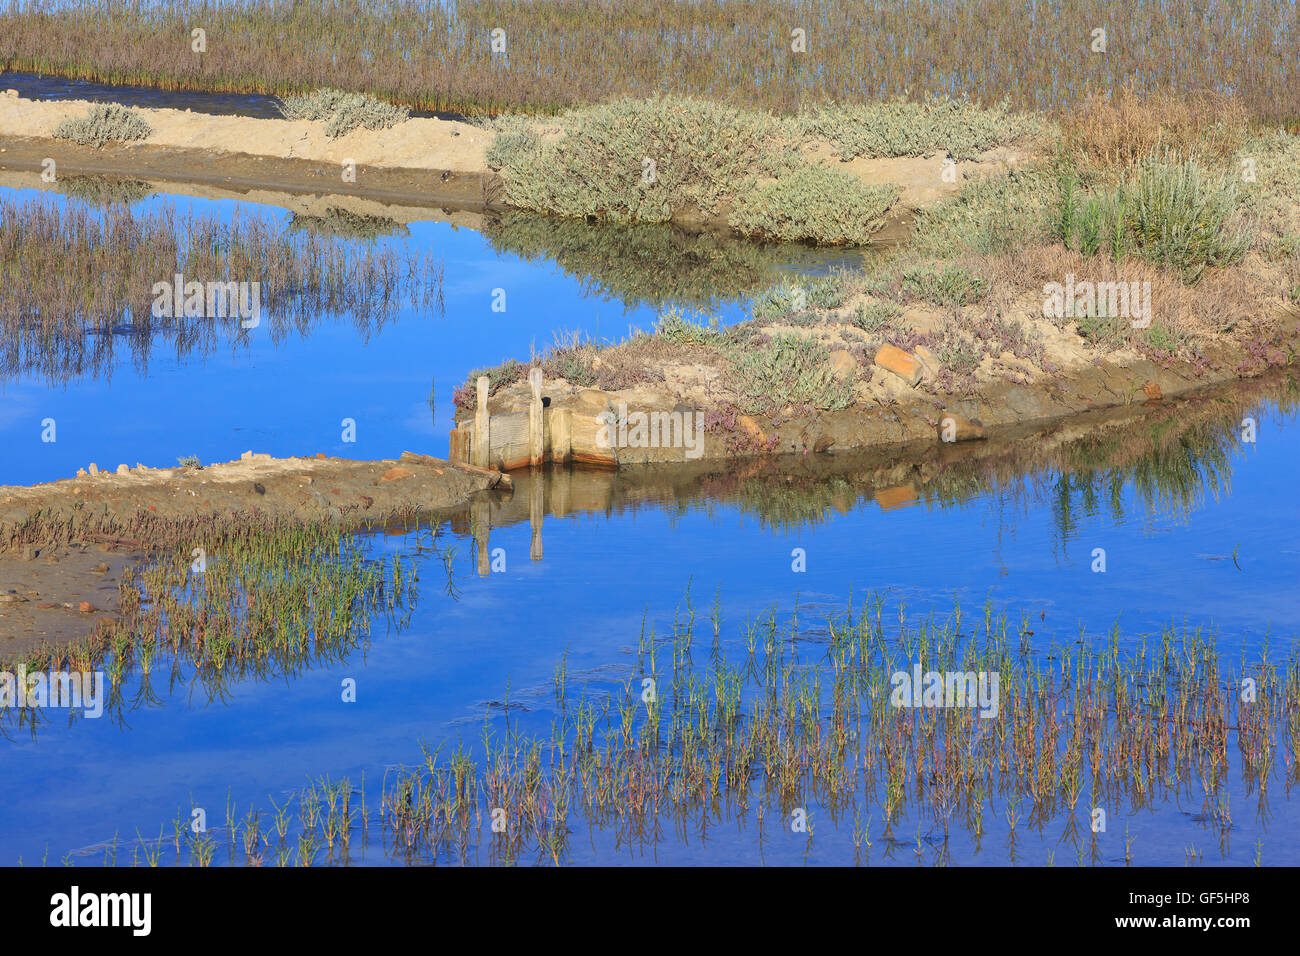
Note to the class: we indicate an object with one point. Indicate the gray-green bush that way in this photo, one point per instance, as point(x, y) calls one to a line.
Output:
point(827, 206)
point(105, 123)
point(910, 128)
point(343, 112)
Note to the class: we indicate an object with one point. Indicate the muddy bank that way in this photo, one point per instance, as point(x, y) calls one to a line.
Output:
point(64, 546)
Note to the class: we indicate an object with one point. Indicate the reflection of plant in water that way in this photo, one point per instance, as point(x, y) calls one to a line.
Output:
point(62, 322)
point(266, 600)
point(644, 264)
point(104, 190)
point(348, 225)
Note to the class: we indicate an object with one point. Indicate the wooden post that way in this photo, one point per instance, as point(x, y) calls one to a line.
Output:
point(481, 425)
point(561, 435)
point(480, 516)
point(535, 511)
point(536, 424)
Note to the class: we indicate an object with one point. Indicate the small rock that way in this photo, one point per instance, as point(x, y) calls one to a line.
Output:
point(11, 92)
point(12, 597)
point(246, 456)
point(94, 469)
point(842, 363)
point(367, 500)
point(85, 607)
point(823, 444)
point(259, 487)
point(320, 454)
point(905, 366)
point(101, 568)
point(394, 473)
point(123, 470)
point(81, 473)
point(1152, 390)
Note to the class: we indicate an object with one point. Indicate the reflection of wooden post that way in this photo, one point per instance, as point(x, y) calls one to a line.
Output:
point(481, 425)
point(535, 514)
point(560, 479)
point(479, 512)
point(536, 426)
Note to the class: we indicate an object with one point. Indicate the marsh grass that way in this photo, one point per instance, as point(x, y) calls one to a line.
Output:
point(272, 599)
point(733, 739)
point(565, 52)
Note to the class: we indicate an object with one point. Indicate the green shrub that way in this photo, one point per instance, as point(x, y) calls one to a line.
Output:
point(105, 123)
point(908, 128)
point(1181, 217)
point(343, 112)
point(1173, 214)
point(787, 370)
point(828, 206)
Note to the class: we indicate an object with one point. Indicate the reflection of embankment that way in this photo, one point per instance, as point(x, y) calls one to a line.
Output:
point(80, 279)
point(1168, 455)
point(650, 264)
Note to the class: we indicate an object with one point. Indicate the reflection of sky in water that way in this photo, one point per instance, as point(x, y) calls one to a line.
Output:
point(587, 597)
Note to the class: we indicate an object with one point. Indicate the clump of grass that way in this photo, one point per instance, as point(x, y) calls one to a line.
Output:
point(507, 373)
point(990, 215)
point(813, 203)
point(949, 285)
point(787, 370)
point(1171, 214)
point(189, 461)
point(676, 328)
point(343, 112)
point(105, 123)
point(876, 316)
point(793, 296)
point(900, 127)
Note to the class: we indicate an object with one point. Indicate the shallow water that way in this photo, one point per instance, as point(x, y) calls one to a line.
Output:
point(1221, 557)
point(151, 405)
